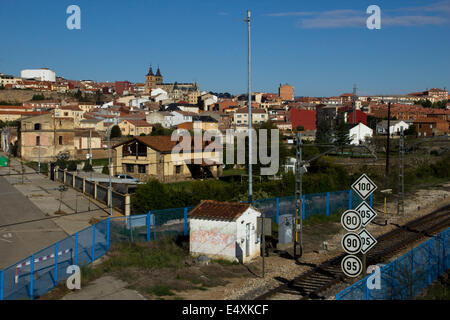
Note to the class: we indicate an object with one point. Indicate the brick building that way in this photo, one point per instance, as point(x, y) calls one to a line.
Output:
point(286, 92)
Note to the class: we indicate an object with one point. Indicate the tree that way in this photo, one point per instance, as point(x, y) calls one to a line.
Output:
point(411, 131)
point(300, 128)
point(342, 135)
point(38, 97)
point(115, 132)
point(150, 196)
point(105, 169)
point(87, 167)
point(158, 130)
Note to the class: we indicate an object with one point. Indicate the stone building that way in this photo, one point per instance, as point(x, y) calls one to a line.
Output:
point(147, 157)
point(46, 135)
point(286, 92)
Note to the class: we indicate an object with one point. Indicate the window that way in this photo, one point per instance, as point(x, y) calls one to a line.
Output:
point(141, 168)
point(177, 169)
point(60, 140)
point(130, 168)
point(37, 126)
point(38, 141)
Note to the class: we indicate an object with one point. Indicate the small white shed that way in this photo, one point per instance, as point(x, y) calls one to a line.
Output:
point(224, 230)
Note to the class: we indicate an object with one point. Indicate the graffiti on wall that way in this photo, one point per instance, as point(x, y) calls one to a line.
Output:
point(213, 237)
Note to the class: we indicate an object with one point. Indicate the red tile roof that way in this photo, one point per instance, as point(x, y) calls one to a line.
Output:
point(216, 210)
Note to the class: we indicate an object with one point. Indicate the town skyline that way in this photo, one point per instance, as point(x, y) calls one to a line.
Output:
point(289, 45)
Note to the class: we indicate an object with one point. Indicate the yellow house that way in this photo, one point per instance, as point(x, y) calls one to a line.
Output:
point(134, 127)
point(154, 160)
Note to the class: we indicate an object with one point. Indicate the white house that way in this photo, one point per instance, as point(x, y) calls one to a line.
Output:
point(224, 230)
point(394, 126)
point(164, 118)
point(181, 117)
point(359, 133)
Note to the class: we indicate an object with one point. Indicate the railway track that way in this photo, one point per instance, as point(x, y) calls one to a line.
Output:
point(311, 284)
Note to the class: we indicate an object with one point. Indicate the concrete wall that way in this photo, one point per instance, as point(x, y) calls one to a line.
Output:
point(213, 238)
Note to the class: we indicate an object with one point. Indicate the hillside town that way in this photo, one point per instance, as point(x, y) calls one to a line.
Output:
point(77, 123)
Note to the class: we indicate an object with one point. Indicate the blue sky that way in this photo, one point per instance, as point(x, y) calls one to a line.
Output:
point(320, 47)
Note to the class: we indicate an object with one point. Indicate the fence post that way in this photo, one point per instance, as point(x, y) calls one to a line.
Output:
point(93, 243)
point(32, 277)
point(278, 209)
point(392, 280)
point(412, 273)
point(76, 248)
point(445, 249)
point(185, 221)
point(2, 276)
point(107, 233)
point(350, 200)
point(367, 291)
point(148, 226)
point(328, 204)
point(56, 263)
point(303, 207)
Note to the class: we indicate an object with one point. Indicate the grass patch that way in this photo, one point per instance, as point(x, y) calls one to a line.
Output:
point(323, 218)
point(224, 262)
point(153, 255)
point(159, 291)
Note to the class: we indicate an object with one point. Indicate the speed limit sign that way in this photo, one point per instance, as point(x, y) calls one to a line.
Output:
point(351, 243)
point(351, 220)
point(351, 266)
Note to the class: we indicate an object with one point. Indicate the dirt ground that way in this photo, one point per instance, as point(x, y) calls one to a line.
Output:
point(219, 281)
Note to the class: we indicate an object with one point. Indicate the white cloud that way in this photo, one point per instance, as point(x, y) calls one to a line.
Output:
point(436, 14)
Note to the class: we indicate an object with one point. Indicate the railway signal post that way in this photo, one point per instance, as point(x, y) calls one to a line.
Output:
point(358, 242)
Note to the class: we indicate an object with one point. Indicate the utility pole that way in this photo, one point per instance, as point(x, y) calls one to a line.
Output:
point(401, 181)
point(109, 166)
point(90, 147)
point(39, 147)
point(388, 139)
point(298, 222)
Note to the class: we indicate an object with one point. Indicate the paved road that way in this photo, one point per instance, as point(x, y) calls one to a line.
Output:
point(34, 196)
point(17, 242)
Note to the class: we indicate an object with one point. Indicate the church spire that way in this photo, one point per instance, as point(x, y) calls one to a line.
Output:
point(158, 73)
point(150, 71)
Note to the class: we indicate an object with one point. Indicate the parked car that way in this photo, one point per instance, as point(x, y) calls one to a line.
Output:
point(126, 176)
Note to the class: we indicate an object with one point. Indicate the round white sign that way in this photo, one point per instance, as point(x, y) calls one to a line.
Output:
point(351, 266)
point(351, 220)
point(351, 243)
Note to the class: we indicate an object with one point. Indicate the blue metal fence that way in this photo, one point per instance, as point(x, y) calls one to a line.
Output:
point(407, 276)
point(39, 273)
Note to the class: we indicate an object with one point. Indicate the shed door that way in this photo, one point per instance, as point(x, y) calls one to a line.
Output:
point(247, 239)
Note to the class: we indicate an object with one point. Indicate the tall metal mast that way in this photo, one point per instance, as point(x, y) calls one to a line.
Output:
point(250, 151)
point(298, 223)
point(401, 182)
